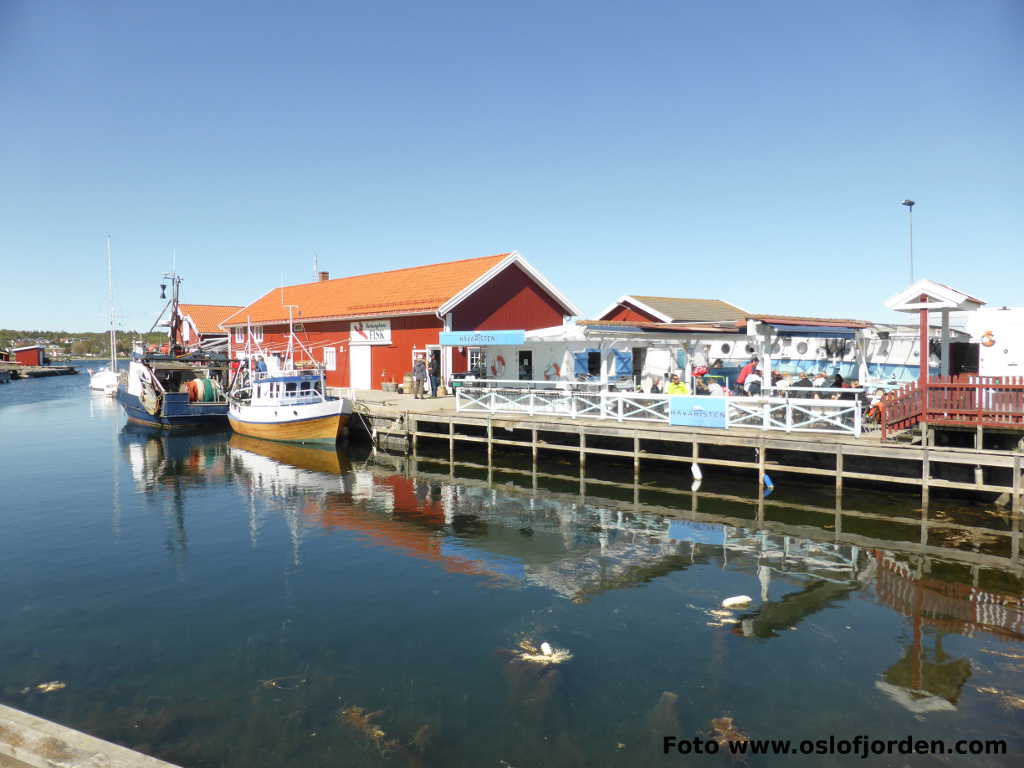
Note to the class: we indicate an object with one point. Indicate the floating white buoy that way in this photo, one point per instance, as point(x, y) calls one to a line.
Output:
point(546, 649)
point(695, 470)
point(736, 602)
point(695, 486)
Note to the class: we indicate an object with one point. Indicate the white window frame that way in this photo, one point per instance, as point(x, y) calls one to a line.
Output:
point(239, 335)
point(257, 333)
point(330, 358)
point(474, 357)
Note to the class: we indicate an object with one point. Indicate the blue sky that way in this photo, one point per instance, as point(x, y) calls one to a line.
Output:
point(749, 151)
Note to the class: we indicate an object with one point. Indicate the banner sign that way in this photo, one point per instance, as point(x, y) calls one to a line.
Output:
point(696, 411)
point(482, 338)
point(370, 332)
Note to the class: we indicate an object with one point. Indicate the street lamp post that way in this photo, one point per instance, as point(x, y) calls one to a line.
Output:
point(910, 217)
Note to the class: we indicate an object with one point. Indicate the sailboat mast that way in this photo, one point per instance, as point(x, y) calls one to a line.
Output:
point(110, 302)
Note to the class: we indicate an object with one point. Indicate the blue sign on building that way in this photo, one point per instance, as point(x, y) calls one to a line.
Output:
point(696, 411)
point(482, 338)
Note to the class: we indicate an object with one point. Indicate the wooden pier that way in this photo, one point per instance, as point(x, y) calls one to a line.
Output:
point(403, 423)
point(18, 371)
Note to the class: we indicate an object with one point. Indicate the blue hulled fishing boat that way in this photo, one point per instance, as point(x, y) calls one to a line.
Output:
point(170, 388)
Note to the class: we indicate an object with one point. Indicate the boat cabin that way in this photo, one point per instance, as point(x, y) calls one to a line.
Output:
point(293, 388)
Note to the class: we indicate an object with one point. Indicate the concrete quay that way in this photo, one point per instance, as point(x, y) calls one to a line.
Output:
point(27, 741)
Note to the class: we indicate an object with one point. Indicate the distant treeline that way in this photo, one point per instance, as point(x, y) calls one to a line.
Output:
point(75, 344)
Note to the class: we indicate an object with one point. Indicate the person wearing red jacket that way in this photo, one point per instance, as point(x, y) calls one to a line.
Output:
point(745, 371)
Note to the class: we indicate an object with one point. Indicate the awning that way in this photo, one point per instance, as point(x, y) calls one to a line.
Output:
point(816, 331)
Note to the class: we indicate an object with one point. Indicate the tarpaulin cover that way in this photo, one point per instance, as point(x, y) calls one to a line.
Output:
point(623, 362)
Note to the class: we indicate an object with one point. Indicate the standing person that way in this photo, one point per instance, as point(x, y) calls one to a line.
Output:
point(745, 371)
point(432, 373)
point(419, 377)
point(676, 387)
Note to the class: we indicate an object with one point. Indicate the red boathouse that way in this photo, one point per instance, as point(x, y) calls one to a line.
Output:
point(366, 329)
point(34, 355)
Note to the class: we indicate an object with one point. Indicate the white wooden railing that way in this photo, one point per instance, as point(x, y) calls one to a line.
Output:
point(787, 414)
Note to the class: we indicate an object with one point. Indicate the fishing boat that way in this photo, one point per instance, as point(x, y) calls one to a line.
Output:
point(284, 398)
point(168, 388)
point(105, 379)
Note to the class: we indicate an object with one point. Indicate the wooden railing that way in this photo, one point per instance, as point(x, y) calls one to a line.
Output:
point(958, 401)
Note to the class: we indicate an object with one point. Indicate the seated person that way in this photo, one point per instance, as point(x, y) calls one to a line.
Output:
point(753, 383)
point(676, 387)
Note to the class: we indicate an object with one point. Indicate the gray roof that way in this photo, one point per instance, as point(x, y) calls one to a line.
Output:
point(692, 310)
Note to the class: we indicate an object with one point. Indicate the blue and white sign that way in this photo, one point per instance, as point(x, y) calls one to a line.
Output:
point(696, 411)
point(482, 338)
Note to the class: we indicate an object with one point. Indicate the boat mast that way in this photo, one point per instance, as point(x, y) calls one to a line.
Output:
point(289, 357)
point(110, 302)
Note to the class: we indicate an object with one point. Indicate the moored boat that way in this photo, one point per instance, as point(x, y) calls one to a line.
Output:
point(170, 389)
point(285, 400)
point(168, 393)
point(105, 380)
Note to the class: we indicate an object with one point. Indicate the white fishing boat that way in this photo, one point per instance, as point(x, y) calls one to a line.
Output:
point(105, 379)
point(285, 399)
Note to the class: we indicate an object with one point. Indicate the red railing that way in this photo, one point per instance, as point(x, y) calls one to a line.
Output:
point(961, 401)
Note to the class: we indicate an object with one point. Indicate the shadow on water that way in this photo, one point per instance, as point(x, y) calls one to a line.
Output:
point(264, 604)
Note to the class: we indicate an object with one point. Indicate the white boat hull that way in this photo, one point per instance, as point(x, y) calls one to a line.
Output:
point(104, 381)
point(319, 422)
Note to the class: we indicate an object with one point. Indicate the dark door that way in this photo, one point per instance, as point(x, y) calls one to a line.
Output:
point(639, 357)
point(526, 366)
point(963, 357)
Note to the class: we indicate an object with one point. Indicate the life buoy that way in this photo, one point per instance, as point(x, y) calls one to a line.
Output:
point(988, 339)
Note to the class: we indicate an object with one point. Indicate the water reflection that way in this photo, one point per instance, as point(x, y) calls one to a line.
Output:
point(576, 548)
point(577, 557)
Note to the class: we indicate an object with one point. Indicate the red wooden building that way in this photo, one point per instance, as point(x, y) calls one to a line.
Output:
point(199, 324)
point(33, 355)
point(366, 329)
point(661, 309)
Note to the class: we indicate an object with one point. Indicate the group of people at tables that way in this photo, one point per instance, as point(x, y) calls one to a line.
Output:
point(750, 382)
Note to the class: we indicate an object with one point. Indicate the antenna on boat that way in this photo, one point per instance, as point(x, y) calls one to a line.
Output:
point(316, 266)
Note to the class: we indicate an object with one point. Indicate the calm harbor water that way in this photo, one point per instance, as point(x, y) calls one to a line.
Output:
point(218, 601)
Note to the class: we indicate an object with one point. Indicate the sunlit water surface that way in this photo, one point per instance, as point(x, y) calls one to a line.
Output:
point(218, 601)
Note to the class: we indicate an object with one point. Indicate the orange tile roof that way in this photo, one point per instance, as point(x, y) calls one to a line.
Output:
point(207, 317)
point(398, 292)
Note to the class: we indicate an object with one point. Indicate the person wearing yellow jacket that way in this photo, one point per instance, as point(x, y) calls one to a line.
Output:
point(676, 387)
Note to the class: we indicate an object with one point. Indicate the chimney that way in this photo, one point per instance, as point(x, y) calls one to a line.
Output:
point(325, 276)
